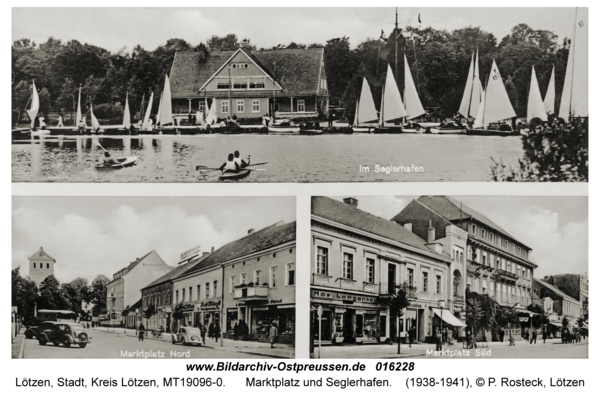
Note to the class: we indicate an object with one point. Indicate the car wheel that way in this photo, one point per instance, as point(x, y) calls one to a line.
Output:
point(67, 342)
point(42, 342)
point(29, 335)
point(55, 343)
point(173, 340)
point(82, 345)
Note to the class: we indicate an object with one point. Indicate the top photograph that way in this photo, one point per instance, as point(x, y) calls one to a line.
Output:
point(299, 95)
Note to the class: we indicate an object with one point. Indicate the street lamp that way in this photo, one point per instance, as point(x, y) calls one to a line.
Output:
point(442, 305)
point(320, 314)
point(136, 321)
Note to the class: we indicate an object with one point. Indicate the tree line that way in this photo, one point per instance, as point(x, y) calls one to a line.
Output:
point(51, 294)
point(438, 59)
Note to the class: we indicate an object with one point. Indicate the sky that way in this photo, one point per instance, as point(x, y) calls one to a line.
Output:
point(117, 28)
point(555, 228)
point(89, 236)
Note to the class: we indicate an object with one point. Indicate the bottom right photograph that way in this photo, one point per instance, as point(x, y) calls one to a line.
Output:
point(440, 277)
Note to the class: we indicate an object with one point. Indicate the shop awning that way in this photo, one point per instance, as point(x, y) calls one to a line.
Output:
point(529, 313)
point(448, 317)
point(556, 324)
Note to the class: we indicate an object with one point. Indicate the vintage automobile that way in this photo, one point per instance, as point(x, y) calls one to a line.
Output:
point(33, 331)
point(65, 333)
point(187, 335)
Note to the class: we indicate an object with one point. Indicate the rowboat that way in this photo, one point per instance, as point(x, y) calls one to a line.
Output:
point(123, 162)
point(284, 128)
point(228, 175)
point(449, 128)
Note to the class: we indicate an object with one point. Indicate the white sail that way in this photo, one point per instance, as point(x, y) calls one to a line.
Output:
point(466, 99)
point(95, 123)
point(126, 115)
point(414, 108)
point(146, 123)
point(212, 113)
point(479, 117)
point(535, 104)
point(159, 107)
point(366, 106)
point(550, 95)
point(477, 89)
point(355, 124)
point(574, 99)
point(166, 111)
point(78, 122)
point(498, 106)
point(35, 105)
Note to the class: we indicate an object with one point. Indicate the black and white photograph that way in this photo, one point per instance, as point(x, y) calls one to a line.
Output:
point(449, 277)
point(154, 277)
point(308, 95)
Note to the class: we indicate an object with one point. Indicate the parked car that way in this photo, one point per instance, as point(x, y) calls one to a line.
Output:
point(187, 335)
point(65, 333)
point(35, 330)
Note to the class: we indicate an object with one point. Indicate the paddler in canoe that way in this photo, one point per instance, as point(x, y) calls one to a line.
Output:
point(230, 165)
point(238, 160)
point(109, 160)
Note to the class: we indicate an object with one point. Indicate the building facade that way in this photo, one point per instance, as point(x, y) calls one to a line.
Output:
point(357, 262)
point(564, 306)
point(574, 285)
point(125, 288)
point(495, 263)
point(283, 83)
point(41, 265)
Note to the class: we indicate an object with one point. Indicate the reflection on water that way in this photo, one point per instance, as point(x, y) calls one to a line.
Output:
point(326, 158)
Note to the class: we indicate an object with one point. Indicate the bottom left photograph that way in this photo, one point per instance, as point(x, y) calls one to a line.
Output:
point(153, 277)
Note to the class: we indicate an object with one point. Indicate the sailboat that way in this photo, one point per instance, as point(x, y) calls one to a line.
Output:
point(494, 107)
point(95, 124)
point(158, 113)
point(392, 107)
point(412, 102)
point(165, 112)
point(477, 89)
point(535, 104)
point(550, 95)
point(35, 106)
point(126, 115)
point(146, 125)
point(574, 98)
point(365, 109)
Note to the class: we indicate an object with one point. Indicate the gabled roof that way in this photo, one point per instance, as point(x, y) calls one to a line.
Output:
point(450, 209)
point(175, 272)
point(271, 236)
point(348, 215)
point(555, 290)
point(298, 71)
point(136, 305)
point(41, 255)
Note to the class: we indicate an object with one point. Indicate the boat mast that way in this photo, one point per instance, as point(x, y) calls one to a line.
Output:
point(142, 108)
point(396, 41)
point(573, 66)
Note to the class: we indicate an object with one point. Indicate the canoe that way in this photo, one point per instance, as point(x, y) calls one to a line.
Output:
point(234, 175)
point(123, 162)
point(448, 131)
point(284, 130)
point(429, 124)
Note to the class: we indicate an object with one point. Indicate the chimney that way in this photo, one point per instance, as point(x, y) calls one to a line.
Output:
point(250, 231)
point(212, 249)
point(351, 201)
point(430, 233)
point(408, 226)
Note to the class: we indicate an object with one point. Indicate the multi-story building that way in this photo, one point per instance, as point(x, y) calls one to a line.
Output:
point(41, 265)
point(574, 285)
point(159, 293)
point(359, 260)
point(283, 83)
point(250, 280)
point(125, 288)
point(564, 306)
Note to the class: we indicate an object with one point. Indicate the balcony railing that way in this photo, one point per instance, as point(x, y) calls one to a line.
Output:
point(251, 293)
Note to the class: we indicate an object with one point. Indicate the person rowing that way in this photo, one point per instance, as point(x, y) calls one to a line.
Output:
point(238, 160)
point(109, 160)
point(230, 165)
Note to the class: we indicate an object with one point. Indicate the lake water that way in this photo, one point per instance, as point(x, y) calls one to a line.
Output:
point(325, 158)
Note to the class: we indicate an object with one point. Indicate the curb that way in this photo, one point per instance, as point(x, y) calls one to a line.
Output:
point(22, 348)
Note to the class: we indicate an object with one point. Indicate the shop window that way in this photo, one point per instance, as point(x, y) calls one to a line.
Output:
point(347, 266)
point(273, 277)
point(232, 318)
point(425, 281)
point(291, 273)
point(224, 106)
point(370, 270)
point(371, 327)
point(240, 105)
point(322, 261)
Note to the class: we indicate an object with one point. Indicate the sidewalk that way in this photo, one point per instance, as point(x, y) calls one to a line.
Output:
point(248, 347)
point(17, 344)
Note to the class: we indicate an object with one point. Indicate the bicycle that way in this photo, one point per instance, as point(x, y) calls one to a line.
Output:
point(158, 332)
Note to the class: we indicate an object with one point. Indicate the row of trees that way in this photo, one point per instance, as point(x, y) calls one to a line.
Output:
point(439, 62)
point(51, 294)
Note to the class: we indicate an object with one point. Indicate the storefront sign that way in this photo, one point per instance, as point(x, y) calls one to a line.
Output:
point(210, 305)
point(259, 308)
point(524, 319)
point(275, 301)
point(188, 307)
point(416, 304)
point(189, 253)
point(344, 296)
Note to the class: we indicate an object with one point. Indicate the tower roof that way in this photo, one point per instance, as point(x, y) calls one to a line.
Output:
point(41, 255)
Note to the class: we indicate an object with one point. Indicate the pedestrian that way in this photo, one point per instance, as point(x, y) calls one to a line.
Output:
point(211, 330)
point(501, 334)
point(526, 333)
point(438, 341)
point(445, 336)
point(273, 334)
point(236, 331)
point(544, 334)
point(141, 330)
point(217, 332)
point(330, 120)
point(203, 333)
point(411, 336)
point(534, 333)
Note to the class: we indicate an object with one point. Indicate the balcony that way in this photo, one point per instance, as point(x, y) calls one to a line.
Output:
point(505, 275)
point(386, 288)
point(370, 287)
point(249, 293)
